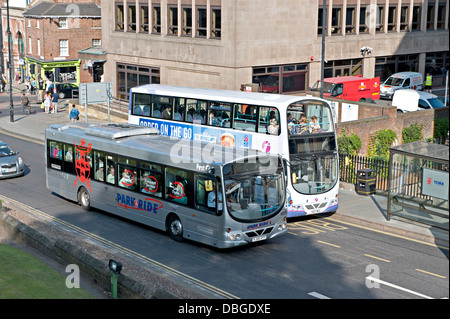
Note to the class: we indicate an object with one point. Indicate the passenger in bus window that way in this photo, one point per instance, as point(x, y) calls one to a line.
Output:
point(314, 126)
point(273, 127)
point(167, 112)
point(69, 155)
point(213, 120)
point(212, 199)
point(110, 178)
point(127, 179)
point(99, 174)
point(303, 124)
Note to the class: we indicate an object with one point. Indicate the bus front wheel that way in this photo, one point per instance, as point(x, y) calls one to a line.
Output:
point(84, 199)
point(175, 228)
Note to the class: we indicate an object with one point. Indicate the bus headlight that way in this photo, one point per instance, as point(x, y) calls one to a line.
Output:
point(234, 237)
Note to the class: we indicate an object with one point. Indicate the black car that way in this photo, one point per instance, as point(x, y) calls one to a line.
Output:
point(65, 90)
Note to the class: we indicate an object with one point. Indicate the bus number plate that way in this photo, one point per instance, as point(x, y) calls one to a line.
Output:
point(259, 238)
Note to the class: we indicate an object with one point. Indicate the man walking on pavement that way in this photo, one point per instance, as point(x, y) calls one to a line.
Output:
point(25, 104)
point(55, 102)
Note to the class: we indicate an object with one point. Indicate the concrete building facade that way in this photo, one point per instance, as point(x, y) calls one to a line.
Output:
point(277, 44)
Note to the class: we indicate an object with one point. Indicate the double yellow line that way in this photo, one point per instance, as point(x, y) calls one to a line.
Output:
point(122, 249)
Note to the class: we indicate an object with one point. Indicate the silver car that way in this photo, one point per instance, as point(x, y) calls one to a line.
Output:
point(11, 164)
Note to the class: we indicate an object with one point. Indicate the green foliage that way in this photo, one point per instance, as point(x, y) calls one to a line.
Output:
point(412, 133)
point(349, 144)
point(441, 127)
point(381, 142)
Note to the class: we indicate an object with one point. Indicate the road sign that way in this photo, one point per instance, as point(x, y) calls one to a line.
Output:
point(97, 92)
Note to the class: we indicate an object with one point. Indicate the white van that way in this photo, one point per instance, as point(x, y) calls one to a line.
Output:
point(402, 80)
point(411, 100)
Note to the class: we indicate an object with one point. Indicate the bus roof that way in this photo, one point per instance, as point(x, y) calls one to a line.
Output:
point(240, 97)
point(138, 142)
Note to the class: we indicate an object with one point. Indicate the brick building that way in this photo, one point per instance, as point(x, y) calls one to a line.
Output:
point(56, 32)
point(17, 29)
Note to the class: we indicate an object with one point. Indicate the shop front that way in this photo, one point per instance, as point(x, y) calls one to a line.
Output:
point(42, 71)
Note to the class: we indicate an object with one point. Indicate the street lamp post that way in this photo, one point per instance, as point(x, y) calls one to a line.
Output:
point(322, 61)
point(11, 105)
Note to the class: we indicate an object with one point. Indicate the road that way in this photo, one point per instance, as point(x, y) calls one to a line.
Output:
point(319, 257)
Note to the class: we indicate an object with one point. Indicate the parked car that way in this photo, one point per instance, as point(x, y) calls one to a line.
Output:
point(11, 164)
point(401, 81)
point(64, 90)
point(411, 100)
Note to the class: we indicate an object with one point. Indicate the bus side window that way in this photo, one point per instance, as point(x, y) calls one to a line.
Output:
point(266, 115)
point(151, 179)
point(68, 159)
point(110, 170)
point(99, 166)
point(245, 117)
point(176, 185)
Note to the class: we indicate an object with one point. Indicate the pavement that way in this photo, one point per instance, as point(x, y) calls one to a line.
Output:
point(362, 211)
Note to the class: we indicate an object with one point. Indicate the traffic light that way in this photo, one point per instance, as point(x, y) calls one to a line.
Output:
point(57, 75)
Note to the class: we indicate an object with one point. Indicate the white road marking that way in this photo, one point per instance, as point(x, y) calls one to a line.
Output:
point(317, 295)
point(398, 287)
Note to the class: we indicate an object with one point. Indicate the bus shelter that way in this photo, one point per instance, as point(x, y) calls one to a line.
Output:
point(418, 183)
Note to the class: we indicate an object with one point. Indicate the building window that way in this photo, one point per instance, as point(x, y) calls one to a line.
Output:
point(131, 18)
point(201, 22)
point(404, 18)
point(63, 47)
point(129, 76)
point(143, 23)
point(281, 78)
point(29, 45)
point(385, 66)
point(156, 28)
point(173, 21)
point(350, 21)
point(343, 68)
point(187, 21)
point(96, 42)
point(380, 19)
point(364, 19)
point(430, 16)
point(119, 17)
point(216, 28)
point(39, 47)
point(441, 16)
point(320, 22)
point(62, 23)
point(336, 21)
point(416, 18)
point(392, 18)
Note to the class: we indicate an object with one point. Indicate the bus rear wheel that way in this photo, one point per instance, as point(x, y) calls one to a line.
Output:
point(175, 228)
point(84, 199)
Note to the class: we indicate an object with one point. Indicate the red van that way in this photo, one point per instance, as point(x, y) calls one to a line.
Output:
point(351, 88)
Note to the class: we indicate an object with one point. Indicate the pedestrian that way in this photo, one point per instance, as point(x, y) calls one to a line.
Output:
point(25, 104)
point(47, 103)
point(3, 82)
point(55, 103)
point(428, 82)
point(74, 114)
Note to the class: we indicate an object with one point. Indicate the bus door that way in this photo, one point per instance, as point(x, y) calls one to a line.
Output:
point(208, 200)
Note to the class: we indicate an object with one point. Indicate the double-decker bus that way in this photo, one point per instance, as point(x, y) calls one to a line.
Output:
point(131, 171)
point(301, 129)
